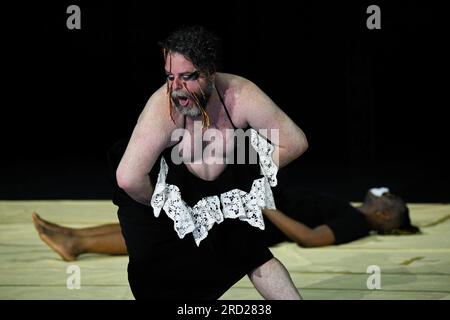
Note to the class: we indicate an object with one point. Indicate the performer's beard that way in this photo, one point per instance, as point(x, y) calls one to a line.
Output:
point(190, 104)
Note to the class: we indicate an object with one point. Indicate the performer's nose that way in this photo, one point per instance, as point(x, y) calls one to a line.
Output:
point(177, 84)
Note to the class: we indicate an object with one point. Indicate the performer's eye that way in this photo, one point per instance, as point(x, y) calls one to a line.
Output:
point(170, 77)
point(191, 76)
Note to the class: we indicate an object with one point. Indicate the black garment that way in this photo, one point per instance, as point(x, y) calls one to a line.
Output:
point(163, 266)
point(313, 209)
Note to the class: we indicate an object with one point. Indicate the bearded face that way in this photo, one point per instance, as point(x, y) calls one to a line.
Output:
point(189, 89)
point(190, 103)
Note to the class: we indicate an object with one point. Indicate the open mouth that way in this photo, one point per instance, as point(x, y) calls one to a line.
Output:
point(183, 101)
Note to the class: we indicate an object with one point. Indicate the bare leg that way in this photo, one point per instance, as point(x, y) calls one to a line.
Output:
point(273, 281)
point(69, 243)
point(92, 231)
point(107, 243)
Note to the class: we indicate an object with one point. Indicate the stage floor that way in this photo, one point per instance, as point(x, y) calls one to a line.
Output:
point(411, 267)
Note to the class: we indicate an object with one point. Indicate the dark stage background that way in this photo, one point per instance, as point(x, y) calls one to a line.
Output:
point(371, 102)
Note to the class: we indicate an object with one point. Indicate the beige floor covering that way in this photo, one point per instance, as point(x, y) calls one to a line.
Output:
point(411, 267)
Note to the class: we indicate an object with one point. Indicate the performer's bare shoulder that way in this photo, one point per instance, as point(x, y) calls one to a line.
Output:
point(235, 91)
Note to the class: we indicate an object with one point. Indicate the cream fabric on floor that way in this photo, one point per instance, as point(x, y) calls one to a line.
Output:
point(412, 267)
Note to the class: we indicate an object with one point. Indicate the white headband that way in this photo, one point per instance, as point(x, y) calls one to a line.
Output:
point(378, 192)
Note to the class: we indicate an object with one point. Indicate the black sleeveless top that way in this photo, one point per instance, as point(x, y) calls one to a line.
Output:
point(240, 191)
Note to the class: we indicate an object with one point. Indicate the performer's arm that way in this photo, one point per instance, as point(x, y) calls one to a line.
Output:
point(262, 113)
point(300, 233)
point(150, 136)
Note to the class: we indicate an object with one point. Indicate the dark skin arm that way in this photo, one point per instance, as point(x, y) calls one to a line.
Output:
point(298, 232)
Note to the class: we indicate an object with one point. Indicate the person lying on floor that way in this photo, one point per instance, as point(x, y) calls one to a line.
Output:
point(303, 216)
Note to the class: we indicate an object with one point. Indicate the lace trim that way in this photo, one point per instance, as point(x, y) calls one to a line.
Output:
point(231, 204)
point(209, 210)
point(265, 150)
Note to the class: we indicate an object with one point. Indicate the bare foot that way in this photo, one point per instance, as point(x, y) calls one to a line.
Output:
point(40, 223)
point(61, 242)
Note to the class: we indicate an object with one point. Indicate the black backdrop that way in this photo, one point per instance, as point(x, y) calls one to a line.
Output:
point(371, 102)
